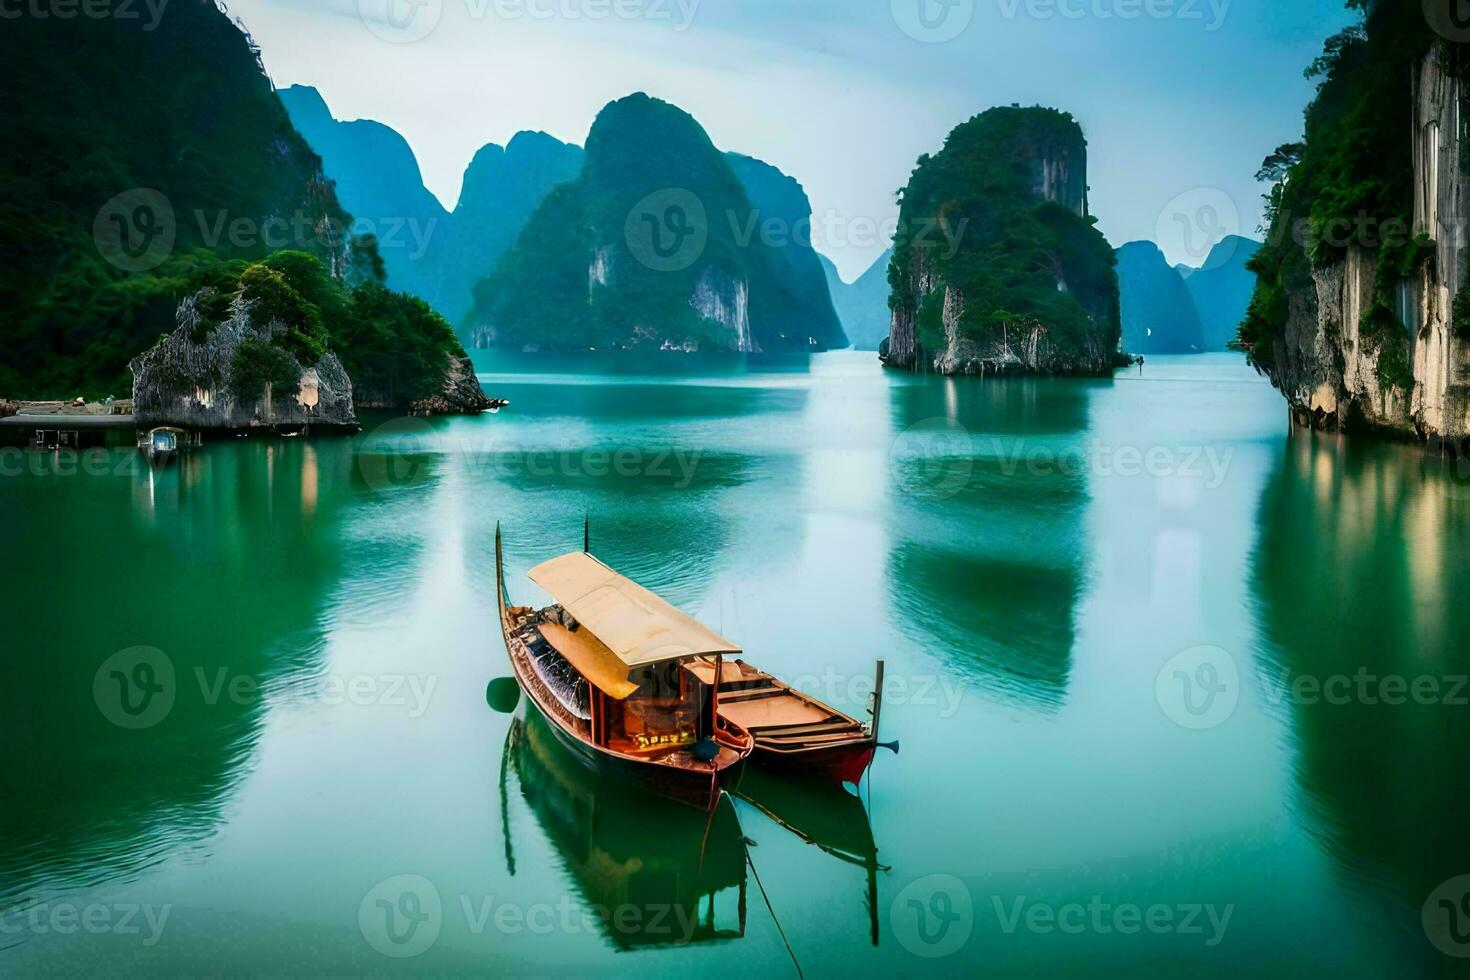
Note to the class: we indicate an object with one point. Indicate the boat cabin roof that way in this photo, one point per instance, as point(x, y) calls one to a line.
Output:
point(635, 625)
point(592, 658)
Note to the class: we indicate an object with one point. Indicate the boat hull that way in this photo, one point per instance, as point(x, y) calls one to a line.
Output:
point(699, 790)
point(837, 764)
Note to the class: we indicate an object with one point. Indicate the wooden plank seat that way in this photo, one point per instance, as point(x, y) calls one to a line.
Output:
point(793, 740)
point(751, 694)
point(812, 728)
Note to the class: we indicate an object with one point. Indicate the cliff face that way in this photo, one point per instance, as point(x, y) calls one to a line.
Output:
point(967, 295)
point(189, 380)
point(1331, 372)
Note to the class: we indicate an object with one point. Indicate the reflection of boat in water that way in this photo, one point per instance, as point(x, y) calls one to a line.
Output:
point(163, 443)
point(608, 666)
point(655, 873)
point(792, 730)
point(821, 814)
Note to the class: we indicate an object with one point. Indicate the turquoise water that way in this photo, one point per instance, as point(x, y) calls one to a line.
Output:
point(245, 712)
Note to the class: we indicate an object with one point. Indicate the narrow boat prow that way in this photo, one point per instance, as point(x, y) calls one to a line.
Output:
point(610, 666)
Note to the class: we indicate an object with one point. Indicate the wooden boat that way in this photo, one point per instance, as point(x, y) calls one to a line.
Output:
point(792, 730)
point(608, 665)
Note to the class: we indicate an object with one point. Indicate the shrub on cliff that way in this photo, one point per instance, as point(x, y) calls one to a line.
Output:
point(256, 364)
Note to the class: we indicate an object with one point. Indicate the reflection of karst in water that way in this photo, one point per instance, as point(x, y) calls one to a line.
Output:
point(1355, 581)
point(986, 565)
point(702, 506)
point(653, 872)
point(87, 800)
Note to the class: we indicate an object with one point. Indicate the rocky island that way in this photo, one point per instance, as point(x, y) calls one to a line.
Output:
point(997, 265)
point(287, 345)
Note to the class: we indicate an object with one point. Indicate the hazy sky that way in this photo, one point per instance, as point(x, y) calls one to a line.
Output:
point(1180, 99)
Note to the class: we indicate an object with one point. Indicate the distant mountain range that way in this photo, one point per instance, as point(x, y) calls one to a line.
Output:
point(441, 256)
point(1181, 309)
point(435, 254)
point(862, 304)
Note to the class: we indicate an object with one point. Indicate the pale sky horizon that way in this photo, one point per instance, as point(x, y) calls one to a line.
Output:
point(1179, 99)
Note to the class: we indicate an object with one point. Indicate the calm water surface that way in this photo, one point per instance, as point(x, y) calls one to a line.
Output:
point(246, 727)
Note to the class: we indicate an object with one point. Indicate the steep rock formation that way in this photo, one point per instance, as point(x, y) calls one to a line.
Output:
point(377, 179)
point(1158, 313)
point(188, 379)
point(658, 244)
point(968, 296)
point(432, 253)
point(1351, 342)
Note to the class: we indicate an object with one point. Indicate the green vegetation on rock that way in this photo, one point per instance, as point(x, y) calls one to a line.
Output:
point(1350, 183)
point(998, 218)
point(393, 345)
point(656, 241)
point(98, 108)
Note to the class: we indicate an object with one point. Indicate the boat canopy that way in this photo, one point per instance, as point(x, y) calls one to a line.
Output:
point(592, 658)
point(637, 626)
